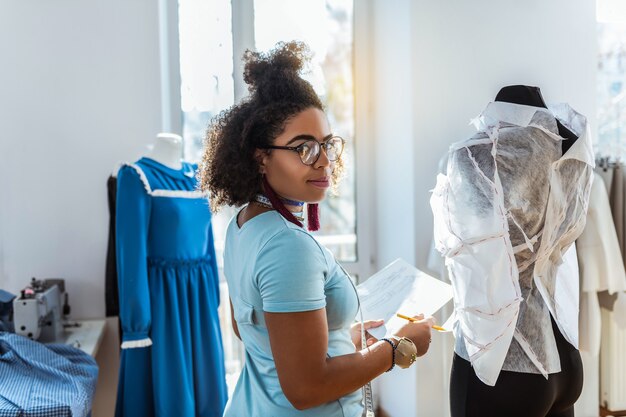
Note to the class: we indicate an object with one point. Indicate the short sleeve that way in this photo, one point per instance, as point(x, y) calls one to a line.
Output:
point(290, 273)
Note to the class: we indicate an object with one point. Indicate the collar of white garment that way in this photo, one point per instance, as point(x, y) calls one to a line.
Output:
point(521, 115)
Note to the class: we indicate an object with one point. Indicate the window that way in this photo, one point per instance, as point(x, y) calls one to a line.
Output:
point(611, 141)
point(327, 29)
point(212, 36)
point(206, 78)
point(207, 85)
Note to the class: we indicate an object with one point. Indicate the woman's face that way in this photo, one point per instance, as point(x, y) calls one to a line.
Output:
point(284, 170)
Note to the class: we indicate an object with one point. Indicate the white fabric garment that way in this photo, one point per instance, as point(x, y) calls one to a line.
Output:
point(601, 266)
point(508, 208)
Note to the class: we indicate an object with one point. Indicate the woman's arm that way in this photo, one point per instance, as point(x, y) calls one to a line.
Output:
point(307, 376)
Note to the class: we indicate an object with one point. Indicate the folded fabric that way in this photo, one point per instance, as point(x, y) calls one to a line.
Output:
point(44, 380)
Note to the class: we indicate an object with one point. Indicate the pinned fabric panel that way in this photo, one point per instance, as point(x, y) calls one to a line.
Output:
point(505, 213)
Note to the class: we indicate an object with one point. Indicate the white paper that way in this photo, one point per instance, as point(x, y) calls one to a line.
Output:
point(400, 288)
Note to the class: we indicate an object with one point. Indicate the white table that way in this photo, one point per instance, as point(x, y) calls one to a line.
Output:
point(86, 336)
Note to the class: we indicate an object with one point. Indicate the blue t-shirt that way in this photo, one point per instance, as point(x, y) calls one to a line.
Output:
point(273, 265)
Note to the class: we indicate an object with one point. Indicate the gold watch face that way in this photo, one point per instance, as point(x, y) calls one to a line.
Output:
point(406, 353)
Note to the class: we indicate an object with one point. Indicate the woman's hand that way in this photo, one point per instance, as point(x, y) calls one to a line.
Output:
point(418, 332)
point(355, 332)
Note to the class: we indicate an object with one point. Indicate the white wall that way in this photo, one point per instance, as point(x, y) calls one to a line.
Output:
point(79, 92)
point(461, 53)
point(464, 52)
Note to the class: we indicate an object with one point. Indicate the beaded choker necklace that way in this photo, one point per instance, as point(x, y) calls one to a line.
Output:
point(263, 201)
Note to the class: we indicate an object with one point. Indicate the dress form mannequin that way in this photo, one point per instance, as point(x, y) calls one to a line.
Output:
point(555, 394)
point(531, 96)
point(167, 150)
point(168, 289)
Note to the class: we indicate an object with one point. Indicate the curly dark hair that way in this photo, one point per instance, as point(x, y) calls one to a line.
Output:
point(229, 169)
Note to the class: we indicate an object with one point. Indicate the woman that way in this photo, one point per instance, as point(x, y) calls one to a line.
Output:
point(292, 304)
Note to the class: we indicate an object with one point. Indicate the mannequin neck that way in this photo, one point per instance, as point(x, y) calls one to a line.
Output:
point(531, 96)
point(167, 150)
point(522, 94)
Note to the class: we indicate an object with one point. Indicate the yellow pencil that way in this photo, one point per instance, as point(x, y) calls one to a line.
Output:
point(402, 316)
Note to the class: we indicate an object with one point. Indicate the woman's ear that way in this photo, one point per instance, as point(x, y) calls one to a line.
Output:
point(261, 157)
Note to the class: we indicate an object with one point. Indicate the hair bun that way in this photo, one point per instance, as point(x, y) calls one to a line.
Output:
point(286, 60)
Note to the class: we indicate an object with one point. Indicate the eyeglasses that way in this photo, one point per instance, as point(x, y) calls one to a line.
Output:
point(309, 151)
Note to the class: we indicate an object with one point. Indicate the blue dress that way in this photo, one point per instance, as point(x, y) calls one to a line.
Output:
point(172, 361)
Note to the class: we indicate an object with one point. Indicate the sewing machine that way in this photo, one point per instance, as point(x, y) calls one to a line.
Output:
point(38, 311)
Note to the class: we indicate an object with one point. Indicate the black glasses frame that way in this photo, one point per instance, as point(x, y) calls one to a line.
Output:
point(322, 145)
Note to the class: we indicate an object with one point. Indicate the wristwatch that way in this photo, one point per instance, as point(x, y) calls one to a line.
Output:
point(405, 353)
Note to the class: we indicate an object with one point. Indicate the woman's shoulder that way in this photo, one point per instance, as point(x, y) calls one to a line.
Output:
point(271, 230)
point(286, 233)
point(277, 238)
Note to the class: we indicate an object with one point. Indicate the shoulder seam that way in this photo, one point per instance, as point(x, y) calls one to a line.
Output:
point(163, 192)
point(142, 175)
point(287, 229)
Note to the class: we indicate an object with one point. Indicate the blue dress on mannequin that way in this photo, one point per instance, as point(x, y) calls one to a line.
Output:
point(172, 361)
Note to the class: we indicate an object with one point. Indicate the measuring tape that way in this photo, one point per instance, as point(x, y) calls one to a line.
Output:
point(367, 388)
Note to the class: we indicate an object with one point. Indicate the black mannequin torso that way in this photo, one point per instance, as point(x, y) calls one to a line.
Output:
point(531, 96)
